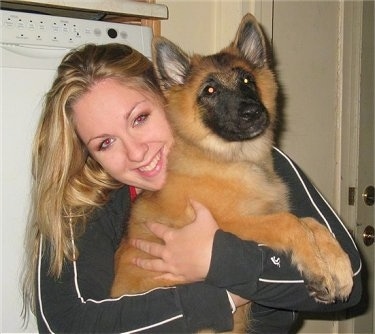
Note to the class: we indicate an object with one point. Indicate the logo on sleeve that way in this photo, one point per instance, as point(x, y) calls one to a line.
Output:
point(276, 261)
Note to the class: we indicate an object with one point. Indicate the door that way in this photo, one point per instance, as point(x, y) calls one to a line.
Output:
point(364, 192)
point(325, 59)
point(357, 150)
point(305, 44)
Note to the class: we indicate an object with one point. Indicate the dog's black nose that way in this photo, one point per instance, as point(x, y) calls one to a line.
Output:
point(251, 112)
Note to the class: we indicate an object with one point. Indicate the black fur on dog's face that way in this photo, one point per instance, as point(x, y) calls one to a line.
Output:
point(224, 103)
point(230, 102)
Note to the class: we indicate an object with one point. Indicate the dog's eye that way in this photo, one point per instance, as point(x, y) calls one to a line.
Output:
point(209, 90)
point(247, 80)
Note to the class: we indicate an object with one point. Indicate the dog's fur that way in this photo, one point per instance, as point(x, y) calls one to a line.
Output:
point(222, 111)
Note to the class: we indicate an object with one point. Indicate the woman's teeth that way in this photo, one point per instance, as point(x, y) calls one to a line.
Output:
point(151, 166)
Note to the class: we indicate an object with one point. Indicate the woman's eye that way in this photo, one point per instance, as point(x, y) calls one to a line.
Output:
point(105, 144)
point(141, 119)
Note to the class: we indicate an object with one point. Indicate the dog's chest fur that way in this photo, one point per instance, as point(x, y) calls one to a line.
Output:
point(225, 188)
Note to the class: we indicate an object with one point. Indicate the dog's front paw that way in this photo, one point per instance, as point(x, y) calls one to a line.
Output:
point(319, 282)
point(343, 276)
point(337, 264)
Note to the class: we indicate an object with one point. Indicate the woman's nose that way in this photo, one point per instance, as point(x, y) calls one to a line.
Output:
point(135, 150)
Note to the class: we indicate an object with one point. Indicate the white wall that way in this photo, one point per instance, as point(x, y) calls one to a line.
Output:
point(202, 26)
point(305, 37)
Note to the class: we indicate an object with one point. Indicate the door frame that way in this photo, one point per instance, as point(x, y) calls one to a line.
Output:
point(348, 89)
point(348, 136)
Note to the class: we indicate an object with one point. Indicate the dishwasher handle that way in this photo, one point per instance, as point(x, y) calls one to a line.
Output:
point(31, 56)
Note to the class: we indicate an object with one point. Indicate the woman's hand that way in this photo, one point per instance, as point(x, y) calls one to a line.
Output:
point(186, 254)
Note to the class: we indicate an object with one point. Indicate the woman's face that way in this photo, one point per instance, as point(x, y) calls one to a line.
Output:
point(126, 132)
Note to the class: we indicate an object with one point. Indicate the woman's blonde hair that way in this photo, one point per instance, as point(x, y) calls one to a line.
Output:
point(67, 183)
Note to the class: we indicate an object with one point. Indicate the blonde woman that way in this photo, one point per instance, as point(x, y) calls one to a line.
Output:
point(102, 138)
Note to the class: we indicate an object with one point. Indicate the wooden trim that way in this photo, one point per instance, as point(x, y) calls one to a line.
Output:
point(149, 22)
point(154, 24)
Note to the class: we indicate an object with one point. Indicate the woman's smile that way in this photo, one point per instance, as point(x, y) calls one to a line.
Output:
point(153, 167)
point(126, 132)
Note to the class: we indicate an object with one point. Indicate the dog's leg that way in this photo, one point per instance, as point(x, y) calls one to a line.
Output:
point(311, 246)
point(333, 255)
point(242, 319)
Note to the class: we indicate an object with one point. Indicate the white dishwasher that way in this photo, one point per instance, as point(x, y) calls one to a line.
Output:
point(32, 46)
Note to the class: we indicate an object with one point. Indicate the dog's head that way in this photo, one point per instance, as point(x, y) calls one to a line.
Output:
point(225, 102)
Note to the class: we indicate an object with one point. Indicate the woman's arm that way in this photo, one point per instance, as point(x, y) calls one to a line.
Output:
point(279, 279)
point(79, 300)
point(62, 307)
point(254, 272)
point(280, 285)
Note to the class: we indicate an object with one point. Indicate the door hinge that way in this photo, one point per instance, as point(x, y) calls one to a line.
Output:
point(351, 196)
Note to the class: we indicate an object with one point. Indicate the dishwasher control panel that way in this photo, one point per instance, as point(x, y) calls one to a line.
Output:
point(22, 28)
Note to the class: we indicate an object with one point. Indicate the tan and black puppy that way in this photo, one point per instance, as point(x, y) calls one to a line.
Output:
point(222, 109)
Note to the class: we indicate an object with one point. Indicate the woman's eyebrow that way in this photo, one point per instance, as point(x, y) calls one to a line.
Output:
point(104, 135)
point(128, 113)
point(126, 116)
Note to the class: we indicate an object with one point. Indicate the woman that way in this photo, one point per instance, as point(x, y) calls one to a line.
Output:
point(103, 137)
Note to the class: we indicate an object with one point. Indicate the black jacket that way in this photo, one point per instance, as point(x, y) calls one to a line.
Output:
point(79, 300)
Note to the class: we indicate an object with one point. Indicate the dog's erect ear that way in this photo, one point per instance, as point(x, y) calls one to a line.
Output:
point(250, 41)
point(170, 62)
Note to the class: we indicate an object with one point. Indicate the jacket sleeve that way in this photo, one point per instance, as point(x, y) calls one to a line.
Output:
point(79, 302)
point(269, 278)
